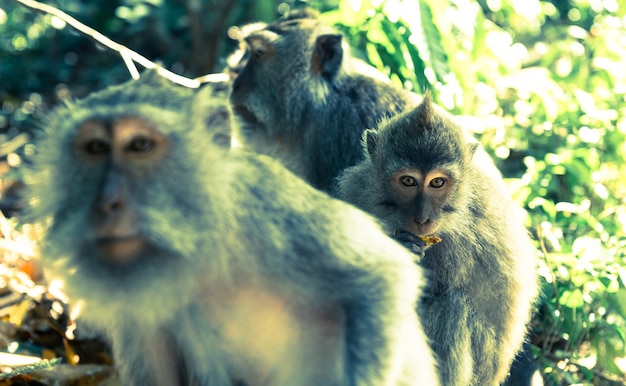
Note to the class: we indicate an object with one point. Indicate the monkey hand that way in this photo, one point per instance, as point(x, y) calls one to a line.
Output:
point(413, 243)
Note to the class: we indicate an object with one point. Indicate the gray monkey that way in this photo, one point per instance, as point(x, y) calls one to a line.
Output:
point(424, 176)
point(303, 99)
point(204, 266)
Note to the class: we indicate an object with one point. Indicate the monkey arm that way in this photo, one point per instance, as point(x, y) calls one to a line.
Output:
point(146, 358)
point(378, 325)
point(378, 287)
point(442, 314)
point(411, 242)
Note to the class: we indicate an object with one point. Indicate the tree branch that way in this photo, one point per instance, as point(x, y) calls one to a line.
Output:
point(129, 56)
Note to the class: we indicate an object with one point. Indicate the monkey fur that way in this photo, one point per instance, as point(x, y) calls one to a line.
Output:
point(303, 99)
point(204, 266)
point(211, 109)
point(424, 175)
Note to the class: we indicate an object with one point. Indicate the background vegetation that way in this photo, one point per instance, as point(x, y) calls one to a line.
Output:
point(542, 83)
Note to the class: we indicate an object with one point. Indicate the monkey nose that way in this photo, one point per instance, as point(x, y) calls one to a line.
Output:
point(113, 193)
point(421, 220)
point(111, 204)
point(111, 200)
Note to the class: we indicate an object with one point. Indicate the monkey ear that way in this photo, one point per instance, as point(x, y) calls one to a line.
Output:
point(371, 140)
point(151, 76)
point(327, 55)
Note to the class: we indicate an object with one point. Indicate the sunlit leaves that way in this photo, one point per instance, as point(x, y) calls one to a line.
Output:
point(434, 40)
point(389, 36)
point(572, 299)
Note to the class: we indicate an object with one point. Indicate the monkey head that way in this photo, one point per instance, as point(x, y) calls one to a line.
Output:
point(293, 59)
point(104, 180)
point(422, 159)
point(117, 151)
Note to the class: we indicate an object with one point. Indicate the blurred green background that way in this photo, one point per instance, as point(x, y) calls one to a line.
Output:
point(541, 83)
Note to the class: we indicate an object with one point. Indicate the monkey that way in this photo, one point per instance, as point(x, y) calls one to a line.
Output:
point(303, 99)
point(202, 265)
point(424, 175)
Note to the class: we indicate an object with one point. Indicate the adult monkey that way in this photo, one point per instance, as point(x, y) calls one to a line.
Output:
point(209, 267)
point(303, 99)
point(422, 176)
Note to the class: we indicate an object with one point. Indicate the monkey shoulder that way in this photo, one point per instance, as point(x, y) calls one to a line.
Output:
point(357, 185)
point(307, 211)
point(371, 97)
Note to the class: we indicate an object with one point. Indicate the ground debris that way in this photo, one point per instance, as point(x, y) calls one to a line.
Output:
point(40, 344)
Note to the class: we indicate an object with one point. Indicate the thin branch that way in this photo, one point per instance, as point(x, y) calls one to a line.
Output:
point(13, 144)
point(129, 56)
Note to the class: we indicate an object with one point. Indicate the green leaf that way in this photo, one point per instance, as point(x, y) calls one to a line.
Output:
point(548, 206)
point(418, 63)
point(572, 299)
point(432, 35)
point(618, 302)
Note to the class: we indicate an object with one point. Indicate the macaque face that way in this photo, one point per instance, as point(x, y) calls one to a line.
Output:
point(121, 152)
point(417, 202)
point(421, 199)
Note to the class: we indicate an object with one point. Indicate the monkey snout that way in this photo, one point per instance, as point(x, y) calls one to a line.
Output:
point(111, 205)
point(120, 223)
point(120, 249)
point(117, 237)
point(421, 220)
point(422, 227)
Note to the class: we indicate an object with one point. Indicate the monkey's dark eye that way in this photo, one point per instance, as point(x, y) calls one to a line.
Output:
point(408, 181)
point(258, 52)
point(437, 182)
point(97, 147)
point(140, 145)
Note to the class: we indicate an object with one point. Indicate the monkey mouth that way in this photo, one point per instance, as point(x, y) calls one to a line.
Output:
point(120, 249)
point(422, 242)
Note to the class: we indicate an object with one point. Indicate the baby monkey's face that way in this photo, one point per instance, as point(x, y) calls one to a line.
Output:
point(417, 201)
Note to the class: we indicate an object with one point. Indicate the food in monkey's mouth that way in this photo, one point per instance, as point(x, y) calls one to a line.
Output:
point(430, 239)
point(406, 236)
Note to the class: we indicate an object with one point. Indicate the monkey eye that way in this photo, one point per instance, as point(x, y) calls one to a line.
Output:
point(437, 182)
point(408, 181)
point(97, 147)
point(140, 145)
point(258, 52)
point(258, 47)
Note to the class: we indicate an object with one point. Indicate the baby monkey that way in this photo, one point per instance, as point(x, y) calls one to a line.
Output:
point(429, 180)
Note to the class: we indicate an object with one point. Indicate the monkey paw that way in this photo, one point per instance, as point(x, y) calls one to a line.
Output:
point(413, 243)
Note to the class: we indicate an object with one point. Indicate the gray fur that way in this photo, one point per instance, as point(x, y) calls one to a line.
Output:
point(211, 109)
point(482, 279)
point(229, 233)
point(304, 100)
